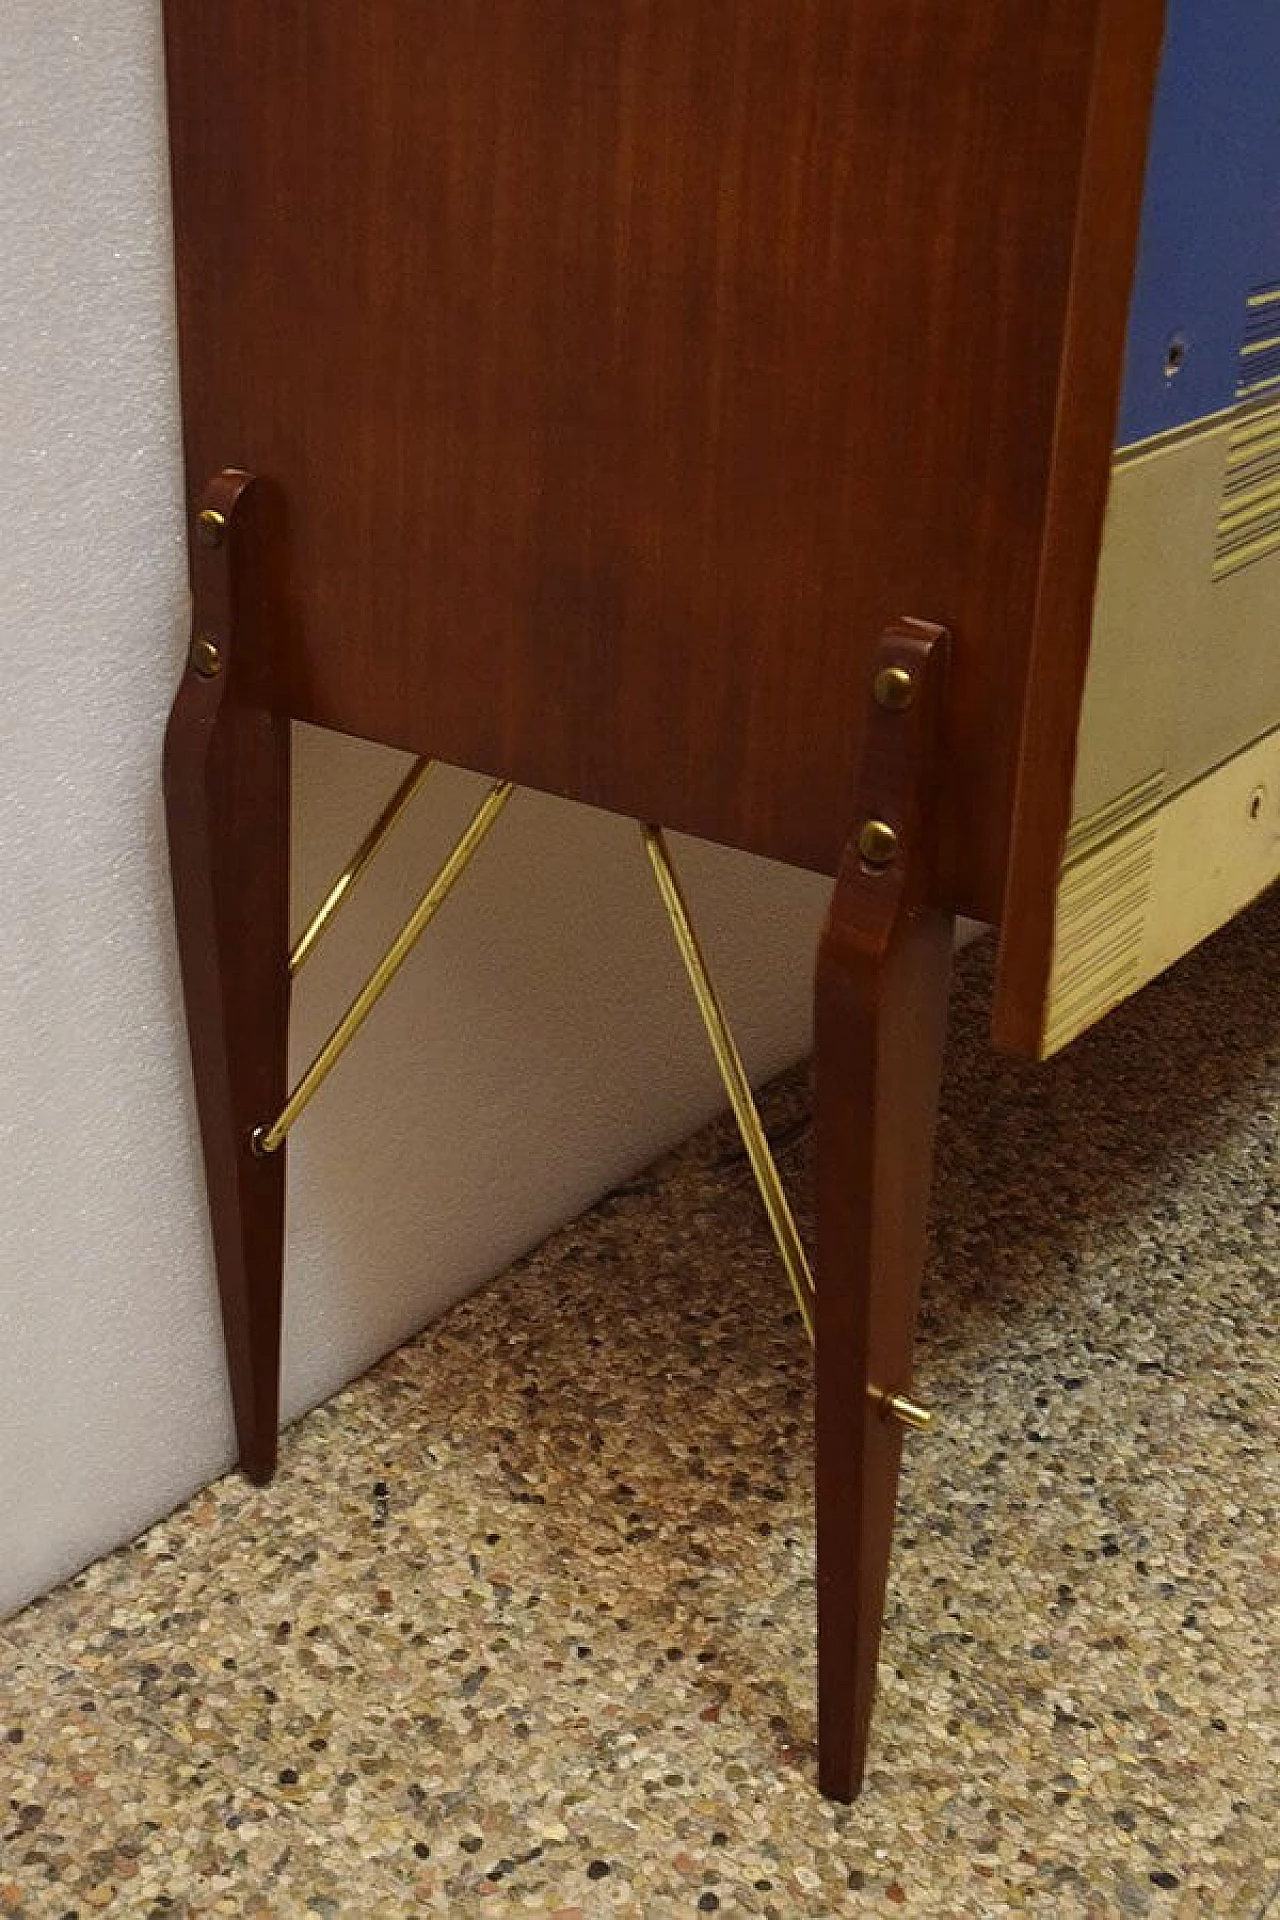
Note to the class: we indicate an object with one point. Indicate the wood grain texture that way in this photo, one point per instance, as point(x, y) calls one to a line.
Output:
point(884, 964)
point(619, 370)
point(1126, 64)
point(226, 786)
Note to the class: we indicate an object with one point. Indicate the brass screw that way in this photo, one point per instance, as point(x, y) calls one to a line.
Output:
point(206, 656)
point(878, 843)
point(908, 1412)
point(895, 688)
point(210, 527)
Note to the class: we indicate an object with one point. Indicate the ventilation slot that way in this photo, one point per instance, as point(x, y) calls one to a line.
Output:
point(1260, 355)
point(1249, 517)
point(1102, 910)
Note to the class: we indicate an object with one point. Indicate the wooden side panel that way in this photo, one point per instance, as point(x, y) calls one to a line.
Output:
point(619, 370)
point(1128, 56)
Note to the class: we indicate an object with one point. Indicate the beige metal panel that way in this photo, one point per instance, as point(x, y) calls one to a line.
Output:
point(1146, 879)
point(1184, 668)
point(1177, 788)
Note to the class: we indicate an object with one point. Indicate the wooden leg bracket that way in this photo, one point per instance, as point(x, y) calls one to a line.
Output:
point(226, 786)
point(881, 996)
point(881, 1003)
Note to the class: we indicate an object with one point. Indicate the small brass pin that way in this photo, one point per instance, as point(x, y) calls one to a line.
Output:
point(210, 527)
point(878, 843)
point(908, 1412)
point(206, 656)
point(895, 689)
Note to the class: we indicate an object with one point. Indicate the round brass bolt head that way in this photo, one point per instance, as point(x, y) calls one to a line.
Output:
point(210, 527)
point(206, 656)
point(894, 688)
point(878, 843)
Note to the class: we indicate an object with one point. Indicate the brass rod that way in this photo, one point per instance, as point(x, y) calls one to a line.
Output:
point(268, 1138)
point(310, 938)
point(733, 1073)
point(908, 1412)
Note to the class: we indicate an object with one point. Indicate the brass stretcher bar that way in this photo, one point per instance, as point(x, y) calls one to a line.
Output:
point(764, 1167)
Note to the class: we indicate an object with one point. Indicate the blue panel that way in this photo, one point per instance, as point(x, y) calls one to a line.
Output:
point(1211, 220)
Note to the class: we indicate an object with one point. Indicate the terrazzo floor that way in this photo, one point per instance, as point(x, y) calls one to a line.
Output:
point(525, 1621)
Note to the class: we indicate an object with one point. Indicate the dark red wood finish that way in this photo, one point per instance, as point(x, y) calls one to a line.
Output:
point(1126, 61)
point(620, 369)
point(226, 786)
point(881, 1013)
point(615, 374)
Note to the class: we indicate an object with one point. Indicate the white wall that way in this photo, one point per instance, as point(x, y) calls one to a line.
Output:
point(539, 1047)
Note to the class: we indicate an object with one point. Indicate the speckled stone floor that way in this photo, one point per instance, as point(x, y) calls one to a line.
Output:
point(525, 1621)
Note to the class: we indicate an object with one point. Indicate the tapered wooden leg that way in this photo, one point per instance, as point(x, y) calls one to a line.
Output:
point(881, 1002)
point(226, 784)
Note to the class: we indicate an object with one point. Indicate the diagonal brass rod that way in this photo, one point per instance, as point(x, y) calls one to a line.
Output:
point(267, 1139)
point(733, 1073)
point(310, 938)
